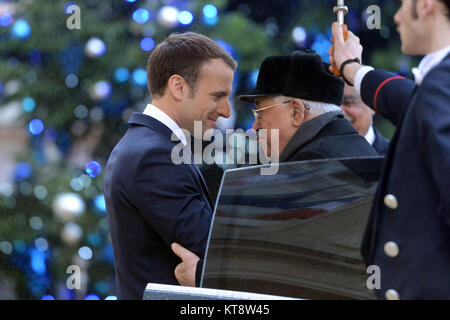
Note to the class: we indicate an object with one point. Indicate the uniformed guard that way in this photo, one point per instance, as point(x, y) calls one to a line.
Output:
point(408, 232)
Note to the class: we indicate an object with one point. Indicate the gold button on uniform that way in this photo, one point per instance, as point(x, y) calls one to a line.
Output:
point(391, 294)
point(391, 249)
point(391, 201)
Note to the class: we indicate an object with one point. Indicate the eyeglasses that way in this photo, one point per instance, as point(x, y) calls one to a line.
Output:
point(256, 111)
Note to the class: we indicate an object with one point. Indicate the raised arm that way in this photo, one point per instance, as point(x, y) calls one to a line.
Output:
point(385, 92)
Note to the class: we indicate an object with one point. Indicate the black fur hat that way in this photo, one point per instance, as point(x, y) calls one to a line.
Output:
point(302, 75)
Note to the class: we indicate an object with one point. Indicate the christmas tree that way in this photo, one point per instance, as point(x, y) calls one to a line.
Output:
point(71, 75)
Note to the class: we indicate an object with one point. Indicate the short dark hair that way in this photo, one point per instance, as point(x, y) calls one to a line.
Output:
point(183, 54)
point(447, 5)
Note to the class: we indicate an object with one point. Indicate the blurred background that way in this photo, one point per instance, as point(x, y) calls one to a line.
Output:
point(67, 93)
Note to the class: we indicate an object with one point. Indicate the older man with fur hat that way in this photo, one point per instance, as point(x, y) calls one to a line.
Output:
point(298, 96)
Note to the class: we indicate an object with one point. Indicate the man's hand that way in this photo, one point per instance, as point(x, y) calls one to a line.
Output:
point(343, 49)
point(185, 271)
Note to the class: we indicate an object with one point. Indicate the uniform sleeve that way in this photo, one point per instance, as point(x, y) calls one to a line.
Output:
point(387, 93)
point(433, 117)
point(170, 199)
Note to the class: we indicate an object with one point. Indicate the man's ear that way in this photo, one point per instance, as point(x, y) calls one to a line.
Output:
point(177, 87)
point(426, 7)
point(298, 112)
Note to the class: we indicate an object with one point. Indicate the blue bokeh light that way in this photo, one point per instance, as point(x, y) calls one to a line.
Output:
point(185, 17)
point(211, 21)
point(48, 297)
point(147, 44)
point(94, 239)
point(321, 45)
point(95, 47)
point(122, 74)
point(20, 246)
point(67, 5)
point(141, 16)
point(253, 78)
point(85, 253)
point(130, 1)
point(21, 29)
point(226, 46)
point(209, 11)
point(38, 261)
point(36, 126)
point(92, 297)
point(93, 168)
point(99, 202)
point(139, 77)
point(28, 104)
point(22, 171)
point(6, 19)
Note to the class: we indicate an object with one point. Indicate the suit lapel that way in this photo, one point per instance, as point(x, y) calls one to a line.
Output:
point(156, 125)
point(190, 159)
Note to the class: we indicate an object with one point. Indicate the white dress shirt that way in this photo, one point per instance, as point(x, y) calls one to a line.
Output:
point(162, 117)
point(370, 136)
point(428, 62)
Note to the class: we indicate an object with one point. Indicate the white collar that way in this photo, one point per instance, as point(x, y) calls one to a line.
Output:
point(428, 62)
point(370, 135)
point(162, 117)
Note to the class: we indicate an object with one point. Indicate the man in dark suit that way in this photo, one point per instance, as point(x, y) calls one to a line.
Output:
point(408, 232)
point(361, 117)
point(152, 202)
point(297, 117)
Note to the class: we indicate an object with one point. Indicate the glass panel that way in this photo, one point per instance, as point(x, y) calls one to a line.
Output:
point(296, 233)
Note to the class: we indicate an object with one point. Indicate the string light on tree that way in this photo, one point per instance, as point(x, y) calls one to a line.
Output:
point(68, 206)
point(168, 16)
point(147, 44)
point(210, 14)
point(100, 90)
point(141, 16)
point(21, 29)
point(121, 75)
point(185, 17)
point(95, 47)
point(36, 126)
point(93, 168)
point(299, 35)
point(71, 233)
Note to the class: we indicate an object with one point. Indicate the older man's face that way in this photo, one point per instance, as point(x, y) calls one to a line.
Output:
point(358, 113)
point(276, 118)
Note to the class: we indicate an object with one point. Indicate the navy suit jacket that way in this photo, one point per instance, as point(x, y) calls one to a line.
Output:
point(417, 173)
point(151, 202)
point(380, 144)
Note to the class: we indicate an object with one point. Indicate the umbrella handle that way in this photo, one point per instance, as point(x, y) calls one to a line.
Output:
point(336, 70)
point(341, 11)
